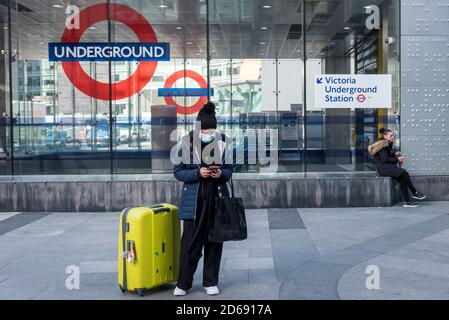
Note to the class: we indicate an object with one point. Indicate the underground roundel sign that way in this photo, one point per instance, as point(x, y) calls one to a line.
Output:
point(168, 92)
point(361, 98)
point(147, 52)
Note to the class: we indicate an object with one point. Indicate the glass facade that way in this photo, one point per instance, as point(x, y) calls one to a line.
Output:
point(255, 59)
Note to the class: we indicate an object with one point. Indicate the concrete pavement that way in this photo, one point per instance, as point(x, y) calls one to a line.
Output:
point(289, 254)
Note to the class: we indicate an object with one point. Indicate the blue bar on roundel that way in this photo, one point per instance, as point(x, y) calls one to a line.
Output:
point(184, 92)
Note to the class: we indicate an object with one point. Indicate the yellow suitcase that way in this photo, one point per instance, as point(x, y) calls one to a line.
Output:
point(148, 247)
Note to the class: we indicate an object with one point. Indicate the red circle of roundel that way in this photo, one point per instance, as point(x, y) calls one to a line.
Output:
point(145, 69)
point(186, 74)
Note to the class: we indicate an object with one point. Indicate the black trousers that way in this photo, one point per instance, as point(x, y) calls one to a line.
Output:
point(406, 184)
point(192, 242)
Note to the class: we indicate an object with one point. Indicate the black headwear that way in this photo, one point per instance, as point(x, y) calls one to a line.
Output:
point(384, 131)
point(207, 116)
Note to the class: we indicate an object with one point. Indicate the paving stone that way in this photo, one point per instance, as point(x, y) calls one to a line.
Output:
point(249, 263)
point(349, 256)
point(394, 285)
point(235, 253)
point(285, 219)
point(19, 220)
point(261, 224)
point(6, 215)
point(250, 243)
point(426, 250)
point(98, 266)
point(431, 268)
point(290, 248)
point(260, 252)
point(313, 280)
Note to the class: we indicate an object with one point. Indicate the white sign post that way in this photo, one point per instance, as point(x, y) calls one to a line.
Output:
point(341, 91)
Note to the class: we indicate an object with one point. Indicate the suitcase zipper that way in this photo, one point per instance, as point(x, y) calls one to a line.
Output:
point(124, 230)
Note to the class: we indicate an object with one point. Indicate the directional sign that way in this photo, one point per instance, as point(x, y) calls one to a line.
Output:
point(340, 91)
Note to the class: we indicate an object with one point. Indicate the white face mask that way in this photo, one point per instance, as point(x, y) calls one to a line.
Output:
point(207, 138)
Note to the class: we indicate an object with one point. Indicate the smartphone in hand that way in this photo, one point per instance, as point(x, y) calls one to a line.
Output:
point(213, 169)
point(399, 155)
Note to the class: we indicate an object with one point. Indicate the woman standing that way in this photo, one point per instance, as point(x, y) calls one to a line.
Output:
point(387, 165)
point(202, 183)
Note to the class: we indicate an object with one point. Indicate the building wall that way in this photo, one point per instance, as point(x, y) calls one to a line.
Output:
point(425, 86)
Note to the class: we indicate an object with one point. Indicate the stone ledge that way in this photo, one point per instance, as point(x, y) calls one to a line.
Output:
point(62, 194)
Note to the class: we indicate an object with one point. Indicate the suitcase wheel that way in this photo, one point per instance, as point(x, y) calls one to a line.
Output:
point(141, 292)
point(121, 289)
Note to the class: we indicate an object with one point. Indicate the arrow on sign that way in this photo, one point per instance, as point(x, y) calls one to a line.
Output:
point(319, 80)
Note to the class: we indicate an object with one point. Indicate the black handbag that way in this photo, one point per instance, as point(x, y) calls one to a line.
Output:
point(229, 223)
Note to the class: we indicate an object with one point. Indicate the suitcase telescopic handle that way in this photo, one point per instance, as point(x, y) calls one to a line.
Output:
point(155, 206)
point(160, 210)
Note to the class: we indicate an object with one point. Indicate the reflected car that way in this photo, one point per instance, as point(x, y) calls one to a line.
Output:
point(56, 139)
point(61, 140)
point(102, 138)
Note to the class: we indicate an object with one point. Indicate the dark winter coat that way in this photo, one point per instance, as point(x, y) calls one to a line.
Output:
point(190, 175)
point(386, 161)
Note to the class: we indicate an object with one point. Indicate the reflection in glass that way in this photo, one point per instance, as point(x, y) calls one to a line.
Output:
point(256, 74)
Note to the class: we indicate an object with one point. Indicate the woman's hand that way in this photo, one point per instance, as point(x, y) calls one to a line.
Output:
point(205, 173)
point(217, 174)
